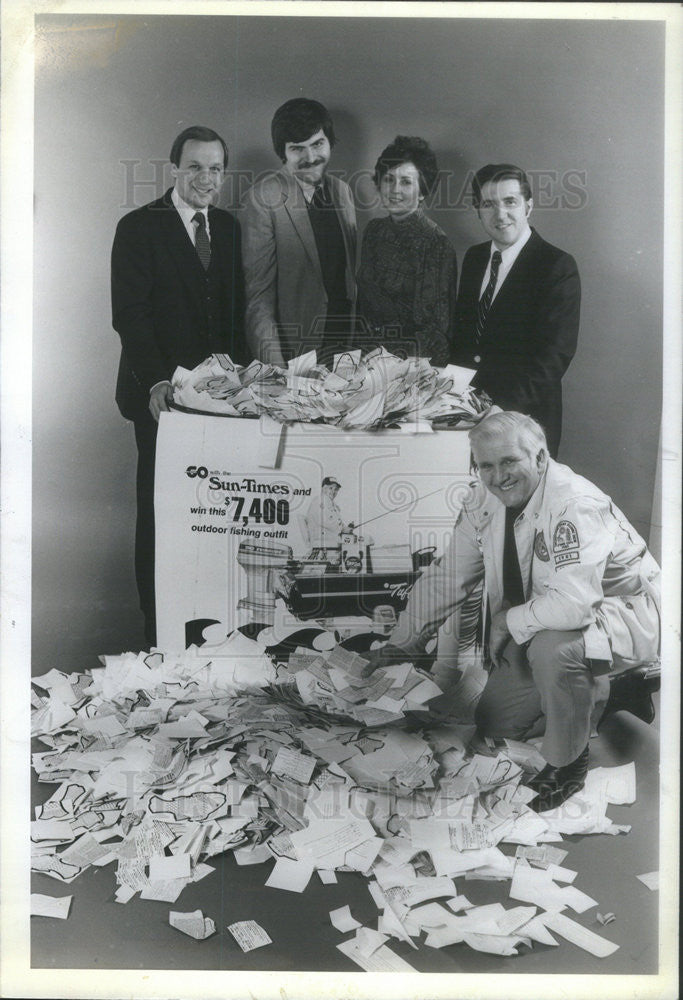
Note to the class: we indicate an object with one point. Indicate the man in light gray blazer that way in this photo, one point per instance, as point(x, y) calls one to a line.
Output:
point(299, 243)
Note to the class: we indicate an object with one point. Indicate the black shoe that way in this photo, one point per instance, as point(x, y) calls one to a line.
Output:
point(631, 691)
point(556, 784)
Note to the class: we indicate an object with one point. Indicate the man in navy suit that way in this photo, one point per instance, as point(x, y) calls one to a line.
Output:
point(177, 297)
point(517, 314)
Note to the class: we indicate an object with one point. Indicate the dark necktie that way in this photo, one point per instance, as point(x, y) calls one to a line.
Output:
point(487, 297)
point(201, 240)
point(513, 586)
point(320, 197)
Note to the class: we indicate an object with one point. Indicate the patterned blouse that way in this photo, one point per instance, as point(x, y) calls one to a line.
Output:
point(406, 287)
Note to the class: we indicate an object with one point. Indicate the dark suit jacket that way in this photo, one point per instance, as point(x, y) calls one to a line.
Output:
point(166, 308)
point(530, 334)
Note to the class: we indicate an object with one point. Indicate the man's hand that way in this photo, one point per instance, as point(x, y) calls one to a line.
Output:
point(446, 675)
point(499, 635)
point(160, 399)
point(384, 657)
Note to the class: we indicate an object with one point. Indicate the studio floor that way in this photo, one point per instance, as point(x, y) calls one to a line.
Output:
point(102, 934)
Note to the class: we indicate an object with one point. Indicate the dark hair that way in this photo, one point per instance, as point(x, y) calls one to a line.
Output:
point(499, 172)
point(297, 120)
point(199, 133)
point(409, 149)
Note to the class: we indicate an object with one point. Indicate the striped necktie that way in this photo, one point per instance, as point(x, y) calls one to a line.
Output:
point(487, 298)
point(201, 240)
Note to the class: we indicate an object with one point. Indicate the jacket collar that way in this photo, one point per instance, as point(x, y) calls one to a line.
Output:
point(179, 244)
point(536, 499)
point(295, 205)
point(533, 507)
point(297, 209)
point(166, 201)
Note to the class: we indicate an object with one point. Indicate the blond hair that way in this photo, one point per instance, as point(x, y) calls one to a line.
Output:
point(529, 432)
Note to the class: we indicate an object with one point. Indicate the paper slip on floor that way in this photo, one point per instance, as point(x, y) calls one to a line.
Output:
point(192, 764)
point(650, 879)
point(194, 924)
point(50, 906)
point(249, 935)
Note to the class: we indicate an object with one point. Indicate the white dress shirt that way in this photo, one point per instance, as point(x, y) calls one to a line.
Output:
point(186, 213)
point(509, 255)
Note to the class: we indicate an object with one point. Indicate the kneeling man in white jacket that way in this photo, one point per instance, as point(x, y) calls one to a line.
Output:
point(572, 593)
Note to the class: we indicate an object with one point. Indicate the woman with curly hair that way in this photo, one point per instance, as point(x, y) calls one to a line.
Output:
point(408, 271)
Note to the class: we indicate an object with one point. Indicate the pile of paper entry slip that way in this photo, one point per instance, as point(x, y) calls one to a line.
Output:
point(377, 391)
point(163, 762)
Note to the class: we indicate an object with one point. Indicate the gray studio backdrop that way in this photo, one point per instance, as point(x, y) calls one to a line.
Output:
point(579, 104)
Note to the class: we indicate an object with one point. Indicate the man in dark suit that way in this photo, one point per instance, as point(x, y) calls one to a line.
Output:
point(177, 297)
point(517, 314)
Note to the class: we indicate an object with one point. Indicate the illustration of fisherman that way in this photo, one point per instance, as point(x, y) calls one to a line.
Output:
point(323, 522)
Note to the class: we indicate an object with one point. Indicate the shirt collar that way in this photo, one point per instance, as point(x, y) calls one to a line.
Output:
point(308, 190)
point(510, 254)
point(536, 499)
point(187, 212)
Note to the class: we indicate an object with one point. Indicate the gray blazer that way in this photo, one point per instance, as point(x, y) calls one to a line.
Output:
point(284, 284)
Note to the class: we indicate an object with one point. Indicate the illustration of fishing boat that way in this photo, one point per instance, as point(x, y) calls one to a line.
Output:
point(349, 579)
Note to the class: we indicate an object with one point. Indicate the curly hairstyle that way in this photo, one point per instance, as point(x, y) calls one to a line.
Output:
point(409, 149)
